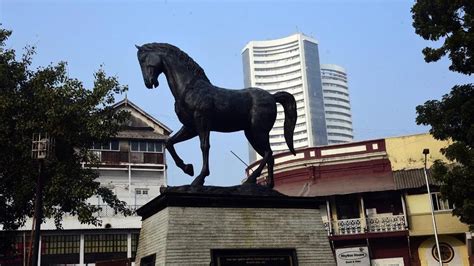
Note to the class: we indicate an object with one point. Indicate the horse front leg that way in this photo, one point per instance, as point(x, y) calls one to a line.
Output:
point(205, 146)
point(183, 134)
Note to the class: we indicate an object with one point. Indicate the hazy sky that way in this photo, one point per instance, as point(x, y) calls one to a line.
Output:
point(373, 40)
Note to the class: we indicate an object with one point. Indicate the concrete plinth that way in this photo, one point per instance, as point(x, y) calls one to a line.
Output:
point(184, 228)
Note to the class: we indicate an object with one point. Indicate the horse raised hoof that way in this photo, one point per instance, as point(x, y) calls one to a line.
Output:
point(188, 169)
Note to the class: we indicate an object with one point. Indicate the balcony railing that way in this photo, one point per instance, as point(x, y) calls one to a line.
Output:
point(349, 226)
point(374, 224)
point(326, 226)
point(386, 223)
point(108, 211)
point(117, 157)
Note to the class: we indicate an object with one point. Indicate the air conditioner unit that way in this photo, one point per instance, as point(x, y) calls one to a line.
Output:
point(371, 212)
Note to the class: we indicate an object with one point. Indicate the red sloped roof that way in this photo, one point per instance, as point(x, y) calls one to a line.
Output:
point(339, 185)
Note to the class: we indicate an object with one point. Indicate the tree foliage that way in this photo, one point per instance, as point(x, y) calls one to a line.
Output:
point(451, 21)
point(453, 118)
point(48, 100)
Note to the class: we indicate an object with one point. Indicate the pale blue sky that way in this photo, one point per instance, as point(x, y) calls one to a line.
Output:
point(373, 40)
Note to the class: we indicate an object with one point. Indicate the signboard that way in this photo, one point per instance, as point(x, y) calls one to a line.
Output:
point(356, 256)
point(254, 257)
point(388, 262)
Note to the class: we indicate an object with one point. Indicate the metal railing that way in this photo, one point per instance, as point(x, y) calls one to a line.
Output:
point(107, 211)
point(117, 157)
point(373, 224)
point(326, 226)
point(348, 226)
point(386, 223)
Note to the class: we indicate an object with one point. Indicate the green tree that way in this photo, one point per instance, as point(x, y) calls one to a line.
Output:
point(452, 23)
point(451, 118)
point(48, 100)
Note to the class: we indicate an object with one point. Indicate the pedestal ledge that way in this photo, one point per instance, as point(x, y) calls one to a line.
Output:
point(242, 196)
point(244, 189)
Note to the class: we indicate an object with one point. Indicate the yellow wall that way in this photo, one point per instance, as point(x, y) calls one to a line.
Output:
point(418, 204)
point(461, 257)
point(419, 218)
point(421, 224)
point(406, 152)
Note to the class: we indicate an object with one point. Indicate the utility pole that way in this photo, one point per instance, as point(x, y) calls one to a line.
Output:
point(38, 214)
point(42, 147)
point(435, 228)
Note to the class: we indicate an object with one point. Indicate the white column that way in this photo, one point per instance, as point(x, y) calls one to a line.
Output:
point(363, 220)
point(165, 177)
point(129, 245)
point(129, 184)
point(81, 250)
point(328, 210)
point(404, 210)
point(39, 252)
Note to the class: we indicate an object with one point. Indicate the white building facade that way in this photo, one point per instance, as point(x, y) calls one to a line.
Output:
point(289, 64)
point(337, 104)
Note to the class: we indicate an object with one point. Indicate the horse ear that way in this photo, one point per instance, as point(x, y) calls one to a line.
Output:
point(138, 47)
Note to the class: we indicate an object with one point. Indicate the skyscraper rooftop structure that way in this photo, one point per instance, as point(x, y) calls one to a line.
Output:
point(337, 105)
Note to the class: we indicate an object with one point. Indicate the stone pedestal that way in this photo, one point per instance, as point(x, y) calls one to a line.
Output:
point(188, 228)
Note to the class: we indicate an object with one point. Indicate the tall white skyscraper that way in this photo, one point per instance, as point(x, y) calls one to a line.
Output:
point(337, 105)
point(289, 64)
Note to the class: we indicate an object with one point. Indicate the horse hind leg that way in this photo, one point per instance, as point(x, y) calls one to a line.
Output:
point(260, 142)
point(252, 179)
point(270, 164)
point(266, 160)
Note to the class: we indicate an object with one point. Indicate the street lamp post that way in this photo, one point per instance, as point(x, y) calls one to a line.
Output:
point(42, 147)
point(435, 228)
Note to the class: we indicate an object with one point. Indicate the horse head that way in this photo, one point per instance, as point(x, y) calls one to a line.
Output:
point(151, 64)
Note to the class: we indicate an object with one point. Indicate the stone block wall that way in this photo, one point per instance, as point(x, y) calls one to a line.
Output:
point(185, 235)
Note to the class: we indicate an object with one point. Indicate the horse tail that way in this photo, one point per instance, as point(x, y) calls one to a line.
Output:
point(289, 106)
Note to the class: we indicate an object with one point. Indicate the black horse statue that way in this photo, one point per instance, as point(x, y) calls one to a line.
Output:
point(202, 107)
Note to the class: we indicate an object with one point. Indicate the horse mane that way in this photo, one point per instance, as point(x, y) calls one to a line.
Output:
point(169, 49)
